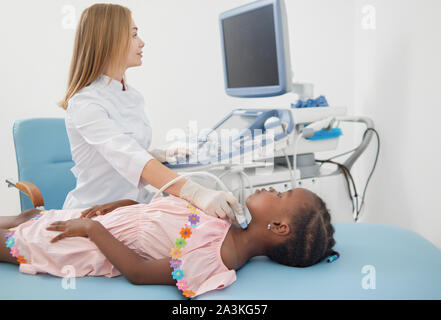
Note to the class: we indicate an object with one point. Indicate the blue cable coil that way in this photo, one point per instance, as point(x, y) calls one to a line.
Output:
point(311, 103)
point(326, 134)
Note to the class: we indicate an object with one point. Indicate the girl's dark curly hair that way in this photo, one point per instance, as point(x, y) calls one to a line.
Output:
point(312, 238)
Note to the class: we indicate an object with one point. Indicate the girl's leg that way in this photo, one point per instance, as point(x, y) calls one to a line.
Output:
point(7, 222)
point(5, 256)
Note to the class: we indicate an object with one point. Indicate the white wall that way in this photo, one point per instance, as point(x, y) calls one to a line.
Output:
point(181, 77)
point(397, 81)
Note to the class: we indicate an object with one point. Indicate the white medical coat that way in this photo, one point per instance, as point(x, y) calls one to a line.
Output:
point(109, 135)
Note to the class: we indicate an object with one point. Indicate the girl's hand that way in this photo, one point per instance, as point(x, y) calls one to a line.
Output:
point(71, 228)
point(105, 208)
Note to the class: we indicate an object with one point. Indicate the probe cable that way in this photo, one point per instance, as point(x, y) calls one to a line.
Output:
point(347, 174)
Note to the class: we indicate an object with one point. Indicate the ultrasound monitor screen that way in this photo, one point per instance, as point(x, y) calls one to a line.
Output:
point(250, 49)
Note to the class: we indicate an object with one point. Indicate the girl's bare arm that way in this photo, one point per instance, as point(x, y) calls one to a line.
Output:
point(135, 268)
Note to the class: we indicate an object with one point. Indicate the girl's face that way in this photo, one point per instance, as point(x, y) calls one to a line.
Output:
point(134, 57)
point(279, 205)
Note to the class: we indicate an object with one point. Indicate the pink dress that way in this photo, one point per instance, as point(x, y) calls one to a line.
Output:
point(168, 227)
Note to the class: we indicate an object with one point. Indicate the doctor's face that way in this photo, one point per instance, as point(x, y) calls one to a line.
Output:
point(134, 57)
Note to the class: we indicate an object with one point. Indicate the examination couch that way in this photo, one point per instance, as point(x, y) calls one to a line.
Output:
point(377, 261)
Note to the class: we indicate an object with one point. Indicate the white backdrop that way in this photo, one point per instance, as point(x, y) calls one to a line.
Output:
point(372, 72)
point(397, 81)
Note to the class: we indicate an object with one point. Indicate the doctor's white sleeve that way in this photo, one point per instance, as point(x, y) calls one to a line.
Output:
point(122, 151)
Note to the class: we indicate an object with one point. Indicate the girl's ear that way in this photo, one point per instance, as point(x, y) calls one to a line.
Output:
point(280, 228)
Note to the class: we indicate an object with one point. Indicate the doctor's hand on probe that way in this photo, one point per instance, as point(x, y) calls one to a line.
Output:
point(215, 203)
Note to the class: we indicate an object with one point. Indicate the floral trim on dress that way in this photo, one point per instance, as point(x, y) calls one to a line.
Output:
point(10, 241)
point(176, 251)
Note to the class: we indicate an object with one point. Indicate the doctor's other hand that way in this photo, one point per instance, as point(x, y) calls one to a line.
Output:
point(172, 154)
point(103, 209)
point(215, 203)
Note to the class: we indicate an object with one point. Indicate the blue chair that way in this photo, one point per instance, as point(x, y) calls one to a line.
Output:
point(44, 161)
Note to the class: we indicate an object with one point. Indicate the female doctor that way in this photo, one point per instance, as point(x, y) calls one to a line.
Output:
point(108, 130)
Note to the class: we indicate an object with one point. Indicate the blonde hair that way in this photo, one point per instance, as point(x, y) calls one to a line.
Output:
point(102, 41)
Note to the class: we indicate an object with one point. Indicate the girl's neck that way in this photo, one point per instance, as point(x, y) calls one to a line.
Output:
point(241, 245)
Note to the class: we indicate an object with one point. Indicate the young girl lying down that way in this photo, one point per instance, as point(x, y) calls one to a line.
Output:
point(169, 241)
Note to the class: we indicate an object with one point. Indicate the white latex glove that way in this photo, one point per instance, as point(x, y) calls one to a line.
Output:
point(212, 202)
point(171, 155)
